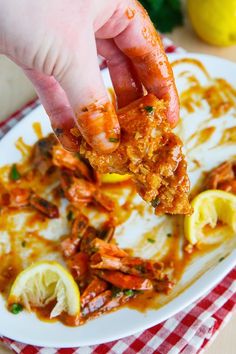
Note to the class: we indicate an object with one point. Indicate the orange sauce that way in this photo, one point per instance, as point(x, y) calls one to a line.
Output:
point(38, 129)
point(228, 136)
point(130, 13)
point(193, 62)
point(24, 148)
point(201, 136)
point(220, 95)
point(113, 96)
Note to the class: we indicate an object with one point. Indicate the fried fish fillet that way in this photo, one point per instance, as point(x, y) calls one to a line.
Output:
point(151, 153)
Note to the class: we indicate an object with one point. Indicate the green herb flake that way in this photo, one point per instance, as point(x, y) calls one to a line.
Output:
point(16, 308)
point(169, 235)
point(151, 240)
point(155, 202)
point(113, 140)
point(14, 173)
point(129, 292)
point(70, 215)
point(221, 259)
point(149, 109)
point(23, 243)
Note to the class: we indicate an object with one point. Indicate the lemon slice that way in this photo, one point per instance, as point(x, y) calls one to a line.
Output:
point(114, 178)
point(210, 206)
point(42, 283)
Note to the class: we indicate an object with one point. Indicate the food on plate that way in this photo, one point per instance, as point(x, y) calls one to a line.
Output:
point(107, 276)
point(223, 177)
point(210, 207)
point(21, 197)
point(151, 153)
point(55, 206)
point(45, 284)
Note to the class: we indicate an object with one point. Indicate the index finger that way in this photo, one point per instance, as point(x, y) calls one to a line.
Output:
point(142, 44)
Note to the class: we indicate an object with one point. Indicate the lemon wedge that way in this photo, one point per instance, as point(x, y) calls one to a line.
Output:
point(42, 283)
point(114, 178)
point(210, 206)
point(214, 20)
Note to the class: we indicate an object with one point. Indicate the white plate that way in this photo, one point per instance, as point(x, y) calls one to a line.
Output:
point(28, 329)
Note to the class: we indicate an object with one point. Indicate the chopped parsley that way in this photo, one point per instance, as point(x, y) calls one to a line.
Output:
point(129, 292)
point(151, 240)
point(113, 140)
point(70, 215)
point(155, 202)
point(16, 308)
point(149, 109)
point(169, 235)
point(221, 259)
point(14, 173)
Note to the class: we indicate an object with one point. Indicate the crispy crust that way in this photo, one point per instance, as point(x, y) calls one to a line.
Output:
point(151, 153)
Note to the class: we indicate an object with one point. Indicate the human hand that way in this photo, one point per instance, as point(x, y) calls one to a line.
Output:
point(56, 42)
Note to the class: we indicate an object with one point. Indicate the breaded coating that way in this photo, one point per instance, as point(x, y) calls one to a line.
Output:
point(151, 153)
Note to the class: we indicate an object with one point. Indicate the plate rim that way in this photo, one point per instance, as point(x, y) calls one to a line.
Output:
point(218, 272)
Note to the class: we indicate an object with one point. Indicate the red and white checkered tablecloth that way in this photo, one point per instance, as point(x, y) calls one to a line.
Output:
point(188, 332)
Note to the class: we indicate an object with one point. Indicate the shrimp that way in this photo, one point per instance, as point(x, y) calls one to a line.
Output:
point(79, 191)
point(129, 265)
point(45, 207)
point(74, 162)
point(103, 247)
point(95, 287)
point(42, 153)
point(70, 244)
point(222, 177)
point(79, 266)
point(97, 302)
point(87, 239)
point(125, 281)
point(19, 197)
point(22, 197)
point(115, 302)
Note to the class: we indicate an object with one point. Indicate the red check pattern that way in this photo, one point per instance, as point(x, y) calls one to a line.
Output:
point(188, 332)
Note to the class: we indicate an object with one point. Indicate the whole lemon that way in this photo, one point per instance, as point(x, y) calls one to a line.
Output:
point(214, 20)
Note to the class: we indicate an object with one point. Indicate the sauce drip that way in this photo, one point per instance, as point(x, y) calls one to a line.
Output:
point(38, 129)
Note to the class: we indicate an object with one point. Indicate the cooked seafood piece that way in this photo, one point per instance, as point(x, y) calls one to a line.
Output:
point(151, 153)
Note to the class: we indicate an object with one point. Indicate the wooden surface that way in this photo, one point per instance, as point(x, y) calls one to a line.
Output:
point(15, 90)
